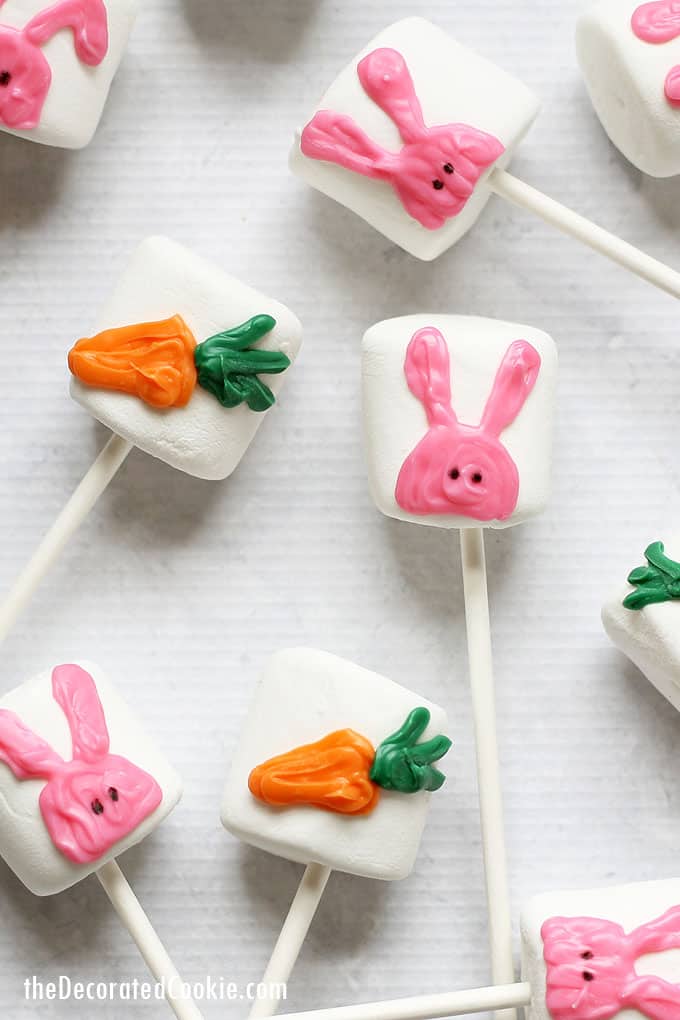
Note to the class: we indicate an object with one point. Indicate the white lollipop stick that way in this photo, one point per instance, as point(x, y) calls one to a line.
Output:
point(71, 517)
point(574, 225)
point(290, 941)
point(426, 1007)
point(132, 915)
point(488, 768)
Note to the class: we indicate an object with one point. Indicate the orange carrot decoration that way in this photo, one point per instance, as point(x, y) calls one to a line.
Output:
point(344, 773)
point(153, 361)
point(333, 774)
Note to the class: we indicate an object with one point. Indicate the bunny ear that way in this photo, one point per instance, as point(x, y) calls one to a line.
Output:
point(26, 754)
point(514, 382)
point(75, 692)
point(387, 80)
point(88, 21)
point(428, 374)
point(336, 138)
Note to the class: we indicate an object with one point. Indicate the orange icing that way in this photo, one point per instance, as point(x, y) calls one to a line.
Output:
point(332, 774)
point(151, 360)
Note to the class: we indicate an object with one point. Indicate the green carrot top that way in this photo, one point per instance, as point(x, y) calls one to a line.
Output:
point(658, 581)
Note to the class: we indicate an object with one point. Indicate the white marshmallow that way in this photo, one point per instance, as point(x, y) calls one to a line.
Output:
point(203, 438)
point(78, 91)
point(305, 695)
point(453, 85)
point(625, 76)
point(395, 421)
point(650, 636)
point(25, 843)
point(629, 906)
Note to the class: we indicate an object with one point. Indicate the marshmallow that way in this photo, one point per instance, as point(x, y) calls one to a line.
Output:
point(643, 619)
point(408, 132)
point(57, 61)
point(354, 801)
point(604, 953)
point(150, 376)
point(458, 418)
point(630, 57)
point(80, 782)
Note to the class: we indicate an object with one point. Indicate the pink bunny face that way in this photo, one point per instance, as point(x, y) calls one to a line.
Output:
point(591, 968)
point(92, 802)
point(435, 172)
point(456, 468)
point(25, 74)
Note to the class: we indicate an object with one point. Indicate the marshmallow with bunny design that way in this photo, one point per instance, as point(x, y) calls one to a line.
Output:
point(57, 62)
point(407, 132)
point(604, 953)
point(458, 418)
point(336, 765)
point(80, 782)
point(629, 54)
point(186, 360)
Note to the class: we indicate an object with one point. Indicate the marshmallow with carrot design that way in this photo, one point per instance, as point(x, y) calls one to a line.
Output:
point(57, 62)
point(336, 766)
point(186, 361)
point(458, 419)
point(642, 617)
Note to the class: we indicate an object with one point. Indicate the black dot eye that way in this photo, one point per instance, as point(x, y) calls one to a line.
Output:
point(113, 794)
point(437, 184)
point(454, 473)
point(477, 477)
point(448, 168)
point(588, 975)
point(97, 807)
point(587, 955)
point(5, 78)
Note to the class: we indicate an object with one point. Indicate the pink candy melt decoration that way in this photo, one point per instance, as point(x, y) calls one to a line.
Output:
point(456, 468)
point(657, 22)
point(92, 802)
point(25, 74)
point(591, 968)
point(435, 172)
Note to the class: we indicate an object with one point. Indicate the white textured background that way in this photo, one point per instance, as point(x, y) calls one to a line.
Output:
point(181, 588)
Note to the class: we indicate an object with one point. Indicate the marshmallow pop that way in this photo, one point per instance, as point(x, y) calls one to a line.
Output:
point(334, 770)
point(643, 619)
point(414, 136)
point(458, 433)
point(81, 783)
point(600, 954)
point(184, 364)
point(57, 61)
point(630, 57)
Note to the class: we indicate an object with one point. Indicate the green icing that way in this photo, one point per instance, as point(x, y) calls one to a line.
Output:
point(402, 764)
point(229, 367)
point(659, 581)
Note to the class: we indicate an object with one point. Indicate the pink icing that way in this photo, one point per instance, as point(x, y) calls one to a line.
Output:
point(672, 86)
point(92, 802)
point(457, 468)
point(25, 74)
point(657, 22)
point(591, 968)
point(435, 172)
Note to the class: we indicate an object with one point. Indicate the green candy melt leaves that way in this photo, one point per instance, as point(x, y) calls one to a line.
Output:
point(229, 367)
point(659, 581)
point(402, 764)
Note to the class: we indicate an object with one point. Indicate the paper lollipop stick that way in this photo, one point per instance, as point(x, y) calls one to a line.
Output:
point(426, 1007)
point(457, 422)
point(423, 171)
point(68, 809)
point(195, 404)
point(321, 802)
